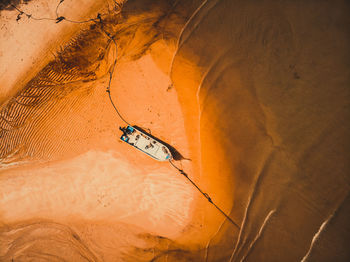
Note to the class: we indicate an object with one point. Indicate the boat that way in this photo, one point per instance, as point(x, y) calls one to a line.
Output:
point(146, 143)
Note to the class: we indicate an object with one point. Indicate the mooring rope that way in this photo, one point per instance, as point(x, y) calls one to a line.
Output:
point(108, 89)
point(204, 194)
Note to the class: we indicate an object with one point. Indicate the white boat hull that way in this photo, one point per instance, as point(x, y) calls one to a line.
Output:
point(145, 143)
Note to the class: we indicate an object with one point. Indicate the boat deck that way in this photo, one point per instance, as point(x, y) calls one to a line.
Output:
point(145, 143)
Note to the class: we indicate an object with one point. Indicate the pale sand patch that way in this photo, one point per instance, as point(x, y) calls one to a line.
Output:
point(98, 186)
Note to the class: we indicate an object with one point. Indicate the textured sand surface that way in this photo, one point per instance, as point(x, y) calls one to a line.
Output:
point(256, 94)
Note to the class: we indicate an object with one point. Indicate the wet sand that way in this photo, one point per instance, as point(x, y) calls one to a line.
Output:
point(273, 99)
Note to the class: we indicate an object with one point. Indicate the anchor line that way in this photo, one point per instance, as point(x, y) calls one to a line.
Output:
point(204, 194)
point(108, 89)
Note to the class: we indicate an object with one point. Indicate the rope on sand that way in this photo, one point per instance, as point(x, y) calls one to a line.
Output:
point(204, 194)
